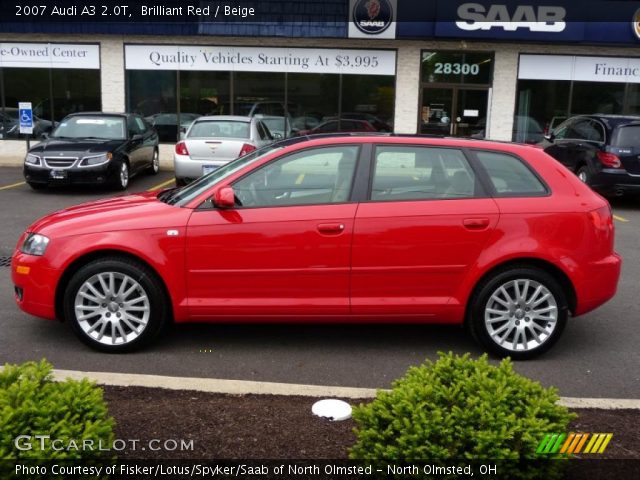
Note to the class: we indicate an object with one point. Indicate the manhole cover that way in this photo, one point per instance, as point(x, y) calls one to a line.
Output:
point(5, 261)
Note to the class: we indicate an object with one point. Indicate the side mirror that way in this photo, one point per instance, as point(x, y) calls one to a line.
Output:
point(277, 136)
point(550, 137)
point(44, 135)
point(224, 198)
point(136, 138)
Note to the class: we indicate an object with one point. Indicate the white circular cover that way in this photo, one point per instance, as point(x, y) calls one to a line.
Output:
point(332, 409)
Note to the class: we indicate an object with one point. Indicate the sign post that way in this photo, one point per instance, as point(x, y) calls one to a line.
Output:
point(25, 115)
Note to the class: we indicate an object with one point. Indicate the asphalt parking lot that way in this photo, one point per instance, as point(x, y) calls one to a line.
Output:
point(598, 355)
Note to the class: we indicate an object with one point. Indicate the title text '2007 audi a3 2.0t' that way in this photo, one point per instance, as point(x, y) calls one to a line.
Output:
point(500, 237)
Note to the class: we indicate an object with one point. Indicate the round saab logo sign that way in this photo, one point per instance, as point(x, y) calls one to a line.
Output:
point(635, 25)
point(372, 16)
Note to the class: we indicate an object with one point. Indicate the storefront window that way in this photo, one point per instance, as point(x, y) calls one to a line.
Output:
point(153, 95)
point(315, 98)
point(596, 97)
point(542, 106)
point(74, 91)
point(369, 98)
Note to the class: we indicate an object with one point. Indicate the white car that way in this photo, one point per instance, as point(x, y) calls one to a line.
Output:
point(213, 141)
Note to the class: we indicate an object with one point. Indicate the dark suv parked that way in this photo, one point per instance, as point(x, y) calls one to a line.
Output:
point(602, 150)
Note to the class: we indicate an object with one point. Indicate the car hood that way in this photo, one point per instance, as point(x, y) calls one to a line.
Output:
point(75, 146)
point(127, 212)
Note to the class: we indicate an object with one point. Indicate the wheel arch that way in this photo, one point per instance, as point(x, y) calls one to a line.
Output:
point(83, 260)
point(558, 274)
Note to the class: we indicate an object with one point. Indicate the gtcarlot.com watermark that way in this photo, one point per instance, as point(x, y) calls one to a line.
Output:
point(45, 442)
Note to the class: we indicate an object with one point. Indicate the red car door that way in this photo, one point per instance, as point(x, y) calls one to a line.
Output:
point(285, 250)
point(426, 224)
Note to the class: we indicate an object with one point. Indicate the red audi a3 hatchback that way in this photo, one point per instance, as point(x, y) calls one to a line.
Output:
point(496, 236)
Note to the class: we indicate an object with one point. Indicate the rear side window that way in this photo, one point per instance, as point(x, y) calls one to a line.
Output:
point(422, 173)
point(509, 175)
point(628, 136)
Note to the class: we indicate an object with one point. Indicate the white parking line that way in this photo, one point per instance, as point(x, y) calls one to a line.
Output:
point(244, 387)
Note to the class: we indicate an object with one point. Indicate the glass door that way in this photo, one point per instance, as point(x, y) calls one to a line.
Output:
point(454, 111)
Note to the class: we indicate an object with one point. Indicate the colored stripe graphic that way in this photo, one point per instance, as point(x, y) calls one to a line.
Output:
point(573, 443)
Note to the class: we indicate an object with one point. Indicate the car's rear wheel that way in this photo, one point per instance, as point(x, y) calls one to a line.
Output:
point(154, 168)
point(115, 304)
point(584, 175)
point(519, 312)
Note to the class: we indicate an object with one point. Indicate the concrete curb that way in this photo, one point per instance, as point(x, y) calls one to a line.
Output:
point(244, 387)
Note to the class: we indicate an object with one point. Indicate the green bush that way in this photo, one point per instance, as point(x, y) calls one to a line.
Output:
point(459, 409)
point(31, 403)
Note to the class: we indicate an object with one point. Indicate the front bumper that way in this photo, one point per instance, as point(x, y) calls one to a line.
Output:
point(100, 174)
point(35, 285)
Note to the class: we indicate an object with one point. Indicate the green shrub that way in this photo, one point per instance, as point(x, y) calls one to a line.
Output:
point(459, 409)
point(31, 403)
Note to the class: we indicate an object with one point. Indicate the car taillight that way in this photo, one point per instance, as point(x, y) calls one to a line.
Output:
point(602, 218)
point(246, 148)
point(609, 159)
point(181, 148)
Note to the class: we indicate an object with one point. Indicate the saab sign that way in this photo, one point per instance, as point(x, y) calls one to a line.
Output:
point(474, 16)
point(372, 18)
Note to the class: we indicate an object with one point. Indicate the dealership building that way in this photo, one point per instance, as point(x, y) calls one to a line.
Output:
point(500, 70)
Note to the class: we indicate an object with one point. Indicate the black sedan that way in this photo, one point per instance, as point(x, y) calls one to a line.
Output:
point(94, 148)
point(602, 150)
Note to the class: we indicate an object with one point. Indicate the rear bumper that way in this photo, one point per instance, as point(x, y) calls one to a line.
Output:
point(36, 284)
point(187, 168)
point(612, 181)
point(598, 285)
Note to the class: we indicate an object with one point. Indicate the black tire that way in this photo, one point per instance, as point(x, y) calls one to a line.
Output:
point(584, 175)
point(154, 168)
point(180, 182)
point(37, 186)
point(117, 181)
point(157, 307)
point(482, 300)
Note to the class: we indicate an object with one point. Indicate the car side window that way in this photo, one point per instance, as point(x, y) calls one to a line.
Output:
point(313, 176)
point(509, 175)
point(584, 130)
point(142, 128)
point(262, 131)
point(133, 127)
point(560, 133)
point(422, 173)
point(597, 132)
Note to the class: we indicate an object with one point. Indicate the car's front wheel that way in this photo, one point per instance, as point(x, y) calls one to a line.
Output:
point(115, 304)
point(519, 312)
point(154, 168)
point(121, 178)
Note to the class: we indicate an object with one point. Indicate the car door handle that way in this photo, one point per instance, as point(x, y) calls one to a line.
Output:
point(476, 223)
point(331, 227)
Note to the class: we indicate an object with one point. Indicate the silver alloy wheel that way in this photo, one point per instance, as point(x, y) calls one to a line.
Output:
point(521, 315)
point(582, 175)
point(124, 175)
point(155, 162)
point(112, 308)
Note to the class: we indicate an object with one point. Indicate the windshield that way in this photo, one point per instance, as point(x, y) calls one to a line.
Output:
point(182, 196)
point(107, 128)
point(219, 129)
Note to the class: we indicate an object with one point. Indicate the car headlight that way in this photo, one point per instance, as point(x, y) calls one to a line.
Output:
point(33, 159)
point(96, 160)
point(35, 244)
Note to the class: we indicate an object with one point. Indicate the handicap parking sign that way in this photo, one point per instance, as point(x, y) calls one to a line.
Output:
point(25, 114)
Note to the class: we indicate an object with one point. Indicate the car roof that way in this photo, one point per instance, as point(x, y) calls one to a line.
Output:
point(610, 121)
point(234, 118)
point(102, 114)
